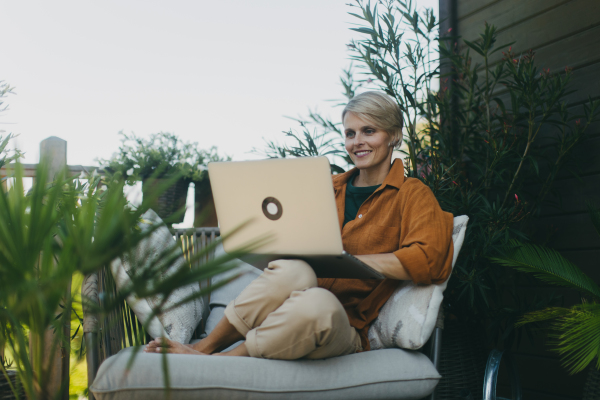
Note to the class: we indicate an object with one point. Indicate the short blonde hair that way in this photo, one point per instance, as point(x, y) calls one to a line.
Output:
point(380, 110)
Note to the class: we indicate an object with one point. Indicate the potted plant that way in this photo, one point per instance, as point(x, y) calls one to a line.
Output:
point(472, 135)
point(47, 236)
point(575, 332)
point(155, 159)
point(205, 214)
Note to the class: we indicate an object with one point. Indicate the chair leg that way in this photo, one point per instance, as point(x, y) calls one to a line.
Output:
point(92, 359)
point(435, 352)
point(491, 376)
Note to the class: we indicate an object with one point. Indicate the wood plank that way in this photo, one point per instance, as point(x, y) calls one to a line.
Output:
point(567, 232)
point(587, 260)
point(583, 84)
point(570, 195)
point(549, 134)
point(558, 23)
point(541, 374)
point(504, 15)
point(466, 8)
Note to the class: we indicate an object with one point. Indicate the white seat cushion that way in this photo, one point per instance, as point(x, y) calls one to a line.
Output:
point(381, 374)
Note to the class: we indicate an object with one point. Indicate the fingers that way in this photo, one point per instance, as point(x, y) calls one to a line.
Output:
point(158, 345)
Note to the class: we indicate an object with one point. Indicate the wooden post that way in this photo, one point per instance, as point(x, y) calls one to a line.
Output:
point(53, 153)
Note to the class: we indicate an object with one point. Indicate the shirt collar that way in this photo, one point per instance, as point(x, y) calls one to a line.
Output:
point(394, 178)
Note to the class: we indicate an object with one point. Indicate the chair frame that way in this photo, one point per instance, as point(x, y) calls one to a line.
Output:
point(106, 336)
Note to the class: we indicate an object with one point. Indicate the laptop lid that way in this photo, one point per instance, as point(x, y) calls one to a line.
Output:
point(291, 199)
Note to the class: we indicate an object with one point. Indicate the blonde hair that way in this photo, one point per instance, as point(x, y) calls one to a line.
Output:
point(380, 110)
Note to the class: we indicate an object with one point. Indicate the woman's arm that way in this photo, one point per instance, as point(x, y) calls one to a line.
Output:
point(388, 264)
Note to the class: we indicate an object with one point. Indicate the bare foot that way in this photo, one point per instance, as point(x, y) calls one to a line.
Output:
point(160, 345)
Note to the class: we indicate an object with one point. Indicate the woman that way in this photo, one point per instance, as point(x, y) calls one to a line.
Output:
point(394, 223)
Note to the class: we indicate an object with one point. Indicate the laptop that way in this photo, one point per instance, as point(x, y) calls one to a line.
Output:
point(290, 201)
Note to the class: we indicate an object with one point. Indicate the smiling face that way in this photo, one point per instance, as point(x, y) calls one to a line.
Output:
point(368, 146)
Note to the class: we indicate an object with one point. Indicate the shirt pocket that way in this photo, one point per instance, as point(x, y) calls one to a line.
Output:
point(382, 239)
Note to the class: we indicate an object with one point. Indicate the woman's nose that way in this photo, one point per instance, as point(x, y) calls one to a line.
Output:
point(358, 139)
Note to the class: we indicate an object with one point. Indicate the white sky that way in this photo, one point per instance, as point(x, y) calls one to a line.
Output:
point(221, 73)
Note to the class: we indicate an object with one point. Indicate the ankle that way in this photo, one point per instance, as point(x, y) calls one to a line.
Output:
point(206, 346)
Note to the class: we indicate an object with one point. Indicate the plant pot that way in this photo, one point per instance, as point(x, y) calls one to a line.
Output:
point(205, 213)
point(5, 392)
point(171, 200)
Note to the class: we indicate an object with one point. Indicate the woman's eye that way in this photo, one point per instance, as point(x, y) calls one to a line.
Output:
point(349, 134)
point(370, 131)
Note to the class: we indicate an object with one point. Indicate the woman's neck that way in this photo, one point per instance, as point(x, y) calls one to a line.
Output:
point(372, 177)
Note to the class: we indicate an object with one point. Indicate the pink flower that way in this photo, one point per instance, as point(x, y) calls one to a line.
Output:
point(517, 197)
point(455, 183)
point(449, 30)
point(369, 80)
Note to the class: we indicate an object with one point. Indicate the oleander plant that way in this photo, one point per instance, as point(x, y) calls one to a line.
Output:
point(472, 134)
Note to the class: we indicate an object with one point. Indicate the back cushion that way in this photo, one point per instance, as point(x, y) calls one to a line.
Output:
point(408, 318)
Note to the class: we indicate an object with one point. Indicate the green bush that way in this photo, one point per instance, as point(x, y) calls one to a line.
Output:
point(472, 135)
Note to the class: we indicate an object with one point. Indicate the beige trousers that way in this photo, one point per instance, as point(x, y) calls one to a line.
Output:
point(283, 315)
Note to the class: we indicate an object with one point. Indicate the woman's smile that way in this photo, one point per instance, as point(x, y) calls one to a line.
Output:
point(362, 153)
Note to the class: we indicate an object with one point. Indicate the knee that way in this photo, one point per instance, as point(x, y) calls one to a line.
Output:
point(318, 304)
point(292, 274)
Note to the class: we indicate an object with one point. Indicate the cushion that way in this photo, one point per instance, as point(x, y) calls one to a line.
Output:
point(381, 374)
point(179, 323)
point(408, 318)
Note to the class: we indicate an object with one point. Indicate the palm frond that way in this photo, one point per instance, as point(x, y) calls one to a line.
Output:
point(576, 334)
point(548, 265)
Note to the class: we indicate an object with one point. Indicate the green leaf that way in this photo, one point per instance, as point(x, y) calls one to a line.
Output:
point(409, 96)
point(368, 31)
point(576, 333)
point(548, 265)
point(475, 47)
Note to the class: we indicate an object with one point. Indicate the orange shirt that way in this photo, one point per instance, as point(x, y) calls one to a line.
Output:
point(402, 217)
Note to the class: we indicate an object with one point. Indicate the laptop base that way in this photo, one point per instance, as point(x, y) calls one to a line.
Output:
point(344, 266)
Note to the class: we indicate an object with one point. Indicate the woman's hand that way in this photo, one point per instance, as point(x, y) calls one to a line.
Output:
point(388, 264)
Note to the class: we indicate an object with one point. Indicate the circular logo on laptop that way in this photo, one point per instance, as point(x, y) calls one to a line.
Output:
point(272, 208)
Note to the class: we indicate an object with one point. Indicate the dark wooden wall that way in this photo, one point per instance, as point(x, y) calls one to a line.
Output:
point(563, 33)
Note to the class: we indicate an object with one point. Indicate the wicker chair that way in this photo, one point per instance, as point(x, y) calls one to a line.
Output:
point(106, 337)
point(119, 329)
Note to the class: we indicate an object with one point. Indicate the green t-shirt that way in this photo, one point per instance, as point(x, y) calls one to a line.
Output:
point(355, 196)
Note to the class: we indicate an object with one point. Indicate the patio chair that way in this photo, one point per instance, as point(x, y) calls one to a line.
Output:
point(379, 374)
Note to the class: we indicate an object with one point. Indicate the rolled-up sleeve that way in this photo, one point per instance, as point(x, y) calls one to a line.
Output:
point(426, 247)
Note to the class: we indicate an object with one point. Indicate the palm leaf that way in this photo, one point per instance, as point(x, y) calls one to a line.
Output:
point(548, 265)
point(577, 333)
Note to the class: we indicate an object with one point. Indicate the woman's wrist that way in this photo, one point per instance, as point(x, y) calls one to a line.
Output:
point(387, 263)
